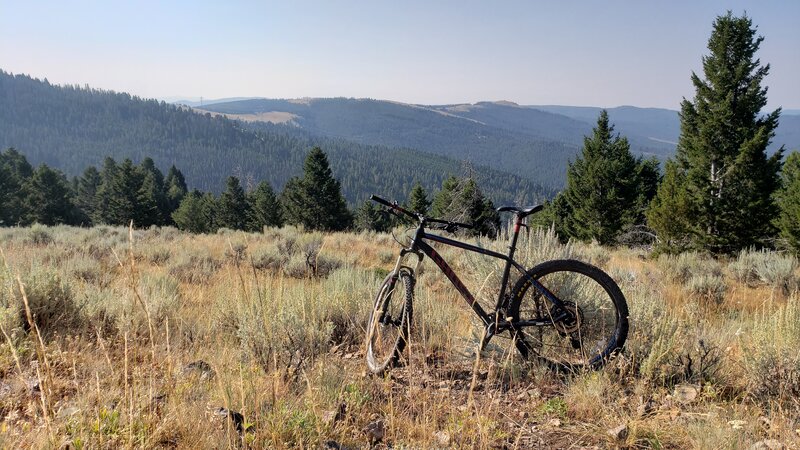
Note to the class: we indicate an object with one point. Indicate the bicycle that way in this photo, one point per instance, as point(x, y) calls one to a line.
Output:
point(567, 313)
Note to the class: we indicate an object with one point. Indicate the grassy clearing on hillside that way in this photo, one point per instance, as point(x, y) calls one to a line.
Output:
point(159, 338)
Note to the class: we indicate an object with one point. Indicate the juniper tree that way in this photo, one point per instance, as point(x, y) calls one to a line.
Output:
point(721, 155)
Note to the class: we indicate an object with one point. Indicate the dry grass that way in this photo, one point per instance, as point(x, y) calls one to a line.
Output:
point(142, 345)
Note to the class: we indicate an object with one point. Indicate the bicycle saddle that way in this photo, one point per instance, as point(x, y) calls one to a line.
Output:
point(522, 212)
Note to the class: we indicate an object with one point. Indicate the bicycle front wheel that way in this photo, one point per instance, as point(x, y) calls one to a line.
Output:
point(389, 321)
point(597, 325)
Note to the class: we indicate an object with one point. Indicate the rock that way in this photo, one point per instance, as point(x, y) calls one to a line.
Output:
point(686, 393)
point(647, 408)
point(333, 445)
point(203, 370)
point(375, 431)
point(442, 438)
point(619, 433)
point(554, 422)
point(235, 417)
point(331, 418)
point(737, 424)
point(767, 444)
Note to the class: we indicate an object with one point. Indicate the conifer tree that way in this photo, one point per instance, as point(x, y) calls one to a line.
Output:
point(788, 200)
point(175, 186)
point(123, 195)
point(154, 192)
point(192, 214)
point(13, 169)
point(605, 188)
point(418, 199)
point(461, 200)
point(101, 212)
point(729, 180)
point(315, 200)
point(264, 208)
point(49, 191)
point(86, 190)
point(371, 217)
point(232, 208)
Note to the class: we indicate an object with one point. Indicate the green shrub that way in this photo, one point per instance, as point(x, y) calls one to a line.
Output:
point(683, 267)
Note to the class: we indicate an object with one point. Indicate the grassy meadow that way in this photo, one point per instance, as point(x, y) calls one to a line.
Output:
point(163, 339)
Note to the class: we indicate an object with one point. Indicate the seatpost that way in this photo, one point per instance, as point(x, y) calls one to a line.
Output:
point(511, 249)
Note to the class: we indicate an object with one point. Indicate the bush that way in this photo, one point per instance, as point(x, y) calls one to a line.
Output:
point(51, 301)
point(709, 288)
point(683, 267)
point(764, 268)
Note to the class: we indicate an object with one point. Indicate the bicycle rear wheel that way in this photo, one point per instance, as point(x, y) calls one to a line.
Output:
point(598, 323)
point(389, 321)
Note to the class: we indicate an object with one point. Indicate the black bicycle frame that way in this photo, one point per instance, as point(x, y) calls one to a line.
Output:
point(419, 244)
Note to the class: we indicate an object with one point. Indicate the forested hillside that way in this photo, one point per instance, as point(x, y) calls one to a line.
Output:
point(70, 128)
point(374, 122)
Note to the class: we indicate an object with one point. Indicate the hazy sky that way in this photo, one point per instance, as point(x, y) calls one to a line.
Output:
point(598, 53)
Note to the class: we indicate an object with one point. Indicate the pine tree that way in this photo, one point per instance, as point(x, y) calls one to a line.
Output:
point(264, 208)
point(232, 208)
point(49, 191)
point(86, 191)
point(123, 195)
point(788, 200)
point(154, 192)
point(606, 187)
point(14, 170)
point(729, 180)
point(315, 200)
point(671, 211)
point(418, 199)
point(175, 186)
point(101, 212)
point(371, 217)
point(192, 214)
point(461, 200)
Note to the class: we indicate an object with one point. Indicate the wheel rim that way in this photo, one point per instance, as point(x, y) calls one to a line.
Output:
point(587, 337)
point(385, 324)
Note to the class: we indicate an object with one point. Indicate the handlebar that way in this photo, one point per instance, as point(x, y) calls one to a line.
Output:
point(449, 226)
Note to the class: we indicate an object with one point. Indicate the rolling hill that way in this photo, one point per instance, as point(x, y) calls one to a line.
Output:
point(70, 128)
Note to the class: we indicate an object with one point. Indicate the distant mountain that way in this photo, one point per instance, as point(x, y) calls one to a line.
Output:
point(541, 159)
point(791, 112)
point(199, 101)
point(70, 128)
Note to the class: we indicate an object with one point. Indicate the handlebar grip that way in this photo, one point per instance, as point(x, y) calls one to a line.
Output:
point(384, 202)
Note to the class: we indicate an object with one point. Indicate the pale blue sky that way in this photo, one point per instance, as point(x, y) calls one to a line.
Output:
point(596, 53)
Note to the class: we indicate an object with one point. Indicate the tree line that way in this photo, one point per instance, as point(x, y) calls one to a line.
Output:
point(121, 192)
point(720, 193)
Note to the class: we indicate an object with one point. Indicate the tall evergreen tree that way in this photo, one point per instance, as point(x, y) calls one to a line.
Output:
point(418, 199)
point(193, 214)
point(49, 191)
point(232, 208)
point(123, 195)
point(101, 212)
point(788, 200)
point(315, 200)
point(371, 217)
point(175, 185)
point(606, 187)
point(263, 208)
point(461, 200)
point(154, 191)
point(86, 190)
point(14, 170)
point(729, 180)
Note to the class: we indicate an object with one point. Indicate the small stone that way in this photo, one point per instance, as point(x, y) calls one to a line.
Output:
point(686, 393)
point(767, 444)
point(647, 408)
point(737, 424)
point(554, 423)
point(331, 418)
point(442, 438)
point(235, 417)
point(523, 414)
point(203, 370)
point(620, 433)
point(375, 431)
